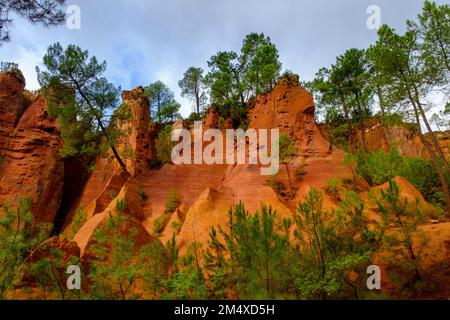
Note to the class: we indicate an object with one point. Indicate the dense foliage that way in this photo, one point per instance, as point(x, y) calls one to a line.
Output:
point(317, 253)
point(163, 106)
point(44, 12)
point(81, 98)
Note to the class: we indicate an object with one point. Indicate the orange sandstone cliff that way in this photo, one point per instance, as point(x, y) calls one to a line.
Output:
point(30, 165)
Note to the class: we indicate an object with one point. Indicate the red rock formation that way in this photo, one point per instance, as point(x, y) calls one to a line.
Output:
point(290, 108)
point(54, 249)
point(11, 98)
point(402, 137)
point(135, 148)
point(212, 120)
point(133, 212)
point(138, 127)
point(378, 137)
point(208, 191)
point(30, 164)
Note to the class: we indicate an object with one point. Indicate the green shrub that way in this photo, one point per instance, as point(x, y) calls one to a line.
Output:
point(221, 123)
point(164, 145)
point(173, 201)
point(78, 221)
point(176, 226)
point(339, 136)
point(277, 186)
point(194, 116)
point(160, 223)
point(379, 166)
point(423, 175)
point(406, 257)
point(332, 187)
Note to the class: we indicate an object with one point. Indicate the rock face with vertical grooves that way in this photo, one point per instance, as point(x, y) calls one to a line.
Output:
point(30, 164)
point(290, 108)
point(138, 129)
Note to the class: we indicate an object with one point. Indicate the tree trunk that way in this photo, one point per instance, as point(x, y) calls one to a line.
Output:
point(349, 124)
point(159, 107)
point(102, 127)
point(430, 152)
point(361, 122)
point(383, 117)
point(197, 101)
point(410, 248)
point(289, 178)
point(437, 147)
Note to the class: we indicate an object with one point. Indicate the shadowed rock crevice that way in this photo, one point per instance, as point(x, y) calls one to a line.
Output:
point(76, 175)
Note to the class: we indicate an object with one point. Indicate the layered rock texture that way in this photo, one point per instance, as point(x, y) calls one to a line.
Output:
point(404, 138)
point(290, 108)
point(30, 164)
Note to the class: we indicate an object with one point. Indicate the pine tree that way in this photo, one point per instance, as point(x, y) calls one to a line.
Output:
point(44, 12)
point(88, 95)
point(20, 237)
point(114, 268)
point(397, 211)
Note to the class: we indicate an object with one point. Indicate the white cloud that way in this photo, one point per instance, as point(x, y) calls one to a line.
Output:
point(144, 41)
point(28, 60)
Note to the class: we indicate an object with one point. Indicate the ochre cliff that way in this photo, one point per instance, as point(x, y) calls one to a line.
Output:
point(290, 108)
point(30, 164)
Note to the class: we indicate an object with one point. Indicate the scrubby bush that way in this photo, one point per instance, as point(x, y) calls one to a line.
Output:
point(380, 166)
point(194, 116)
point(113, 276)
point(300, 171)
point(332, 187)
point(277, 186)
point(405, 255)
point(164, 145)
point(173, 202)
point(78, 221)
point(338, 135)
point(423, 175)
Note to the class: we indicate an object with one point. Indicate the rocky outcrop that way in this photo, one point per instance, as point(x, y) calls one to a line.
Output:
point(30, 164)
point(290, 108)
point(213, 120)
point(403, 137)
point(135, 149)
point(209, 191)
point(137, 128)
point(132, 214)
point(11, 98)
point(404, 140)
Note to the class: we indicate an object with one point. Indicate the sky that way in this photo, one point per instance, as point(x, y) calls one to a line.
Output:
point(144, 41)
